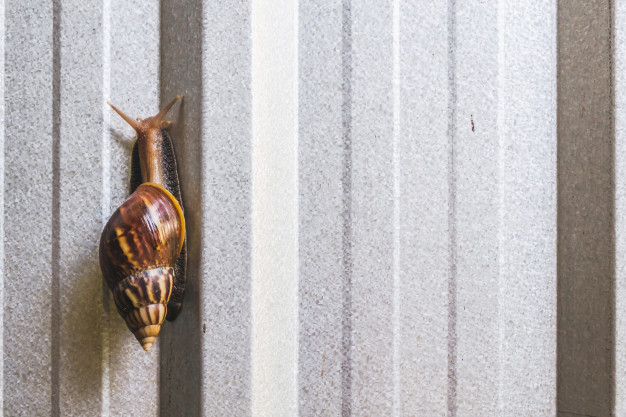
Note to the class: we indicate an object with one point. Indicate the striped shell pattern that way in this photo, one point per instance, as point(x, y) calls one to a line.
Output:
point(138, 250)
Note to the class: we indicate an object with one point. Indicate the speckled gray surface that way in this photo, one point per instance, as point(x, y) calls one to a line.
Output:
point(206, 56)
point(620, 207)
point(474, 209)
point(274, 209)
point(28, 191)
point(77, 314)
point(322, 152)
point(180, 380)
point(67, 169)
point(396, 257)
point(423, 176)
point(586, 210)
point(453, 200)
point(528, 204)
point(370, 202)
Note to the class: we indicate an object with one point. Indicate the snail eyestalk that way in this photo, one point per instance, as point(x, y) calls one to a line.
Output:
point(134, 124)
point(159, 117)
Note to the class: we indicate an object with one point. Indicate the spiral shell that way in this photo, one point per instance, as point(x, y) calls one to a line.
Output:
point(138, 251)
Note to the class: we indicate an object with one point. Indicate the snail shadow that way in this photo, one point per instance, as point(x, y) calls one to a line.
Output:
point(122, 139)
point(79, 314)
point(94, 341)
point(121, 171)
point(81, 326)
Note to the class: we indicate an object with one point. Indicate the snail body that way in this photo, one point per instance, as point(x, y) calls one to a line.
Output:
point(142, 247)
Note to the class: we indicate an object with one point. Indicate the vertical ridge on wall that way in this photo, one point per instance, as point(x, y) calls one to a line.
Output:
point(28, 190)
point(452, 276)
point(371, 208)
point(396, 210)
point(56, 219)
point(76, 173)
point(474, 189)
point(206, 56)
point(133, 86)
point(274, 208)
point(181, 371)
point(347, 253)
point(227, 209)
point(527, 143)
point(227, 158)
point(2, 194)
point(500, 123)
point(619, 91)
point(586, 209)
point(323, 146)
point(105, 203)
point(425, 205)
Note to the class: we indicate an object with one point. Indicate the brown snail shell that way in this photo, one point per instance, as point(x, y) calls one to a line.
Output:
point(139, 247)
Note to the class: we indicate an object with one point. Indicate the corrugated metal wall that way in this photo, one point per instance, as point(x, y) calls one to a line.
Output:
point(394, 208)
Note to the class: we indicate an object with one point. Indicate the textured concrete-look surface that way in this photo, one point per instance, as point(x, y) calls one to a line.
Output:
point(619, 19)
point(28, 184)
point(206, 56)
point(422, 178)
point(370, 190)
point(77, 313)
point(475, 208)
point(434, 147)
point(586, 250)
point(322, 373)
point(274, 208)
point(66, 171)
point(528, 204)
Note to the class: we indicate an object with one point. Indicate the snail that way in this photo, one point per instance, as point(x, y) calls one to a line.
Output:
point(143, 254)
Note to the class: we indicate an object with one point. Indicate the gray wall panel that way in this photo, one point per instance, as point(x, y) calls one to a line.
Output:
point(474, 206)
point(2, 188)
point(619, 20)
point(422, 192)
point(274, 208)
point(528, 184)
point(586, 248)
point(226, 209)
point(78, 315)
point(180, 383)
point(322, 144)
point(28, 209)
point(206, 56)
point(371, 206)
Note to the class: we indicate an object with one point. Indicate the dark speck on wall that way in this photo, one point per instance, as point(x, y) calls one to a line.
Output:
point(204, 328)
point(472, 121)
